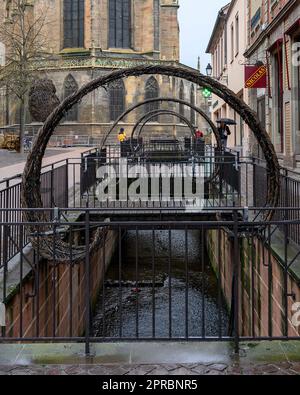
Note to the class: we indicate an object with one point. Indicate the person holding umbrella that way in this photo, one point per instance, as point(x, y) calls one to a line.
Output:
point(224, 130)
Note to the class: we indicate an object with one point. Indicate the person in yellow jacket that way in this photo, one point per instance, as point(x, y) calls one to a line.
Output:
point(122, 136)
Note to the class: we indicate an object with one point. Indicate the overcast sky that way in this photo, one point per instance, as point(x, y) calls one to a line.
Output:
point(197, 19)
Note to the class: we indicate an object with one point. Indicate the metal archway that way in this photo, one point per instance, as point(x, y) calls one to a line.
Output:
point(31, 193)
point(164, 99)
point(154, 113)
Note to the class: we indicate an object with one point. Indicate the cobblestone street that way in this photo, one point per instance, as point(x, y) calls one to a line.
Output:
point(213, 358)
point(283, 368)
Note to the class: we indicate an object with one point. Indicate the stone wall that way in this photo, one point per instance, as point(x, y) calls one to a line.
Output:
point(260, 270)
point(62, 286)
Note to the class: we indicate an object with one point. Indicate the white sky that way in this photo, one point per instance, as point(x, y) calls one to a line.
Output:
point(197, 19)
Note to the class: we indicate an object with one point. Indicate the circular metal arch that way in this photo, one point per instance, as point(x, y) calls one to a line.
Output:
point(157, 112)
point(147, 117)
point(164, 99)
point(31, 193)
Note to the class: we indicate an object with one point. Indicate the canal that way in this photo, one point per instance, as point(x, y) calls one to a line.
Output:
point(160, 284)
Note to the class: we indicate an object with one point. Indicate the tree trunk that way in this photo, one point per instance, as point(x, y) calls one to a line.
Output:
point(22, 125)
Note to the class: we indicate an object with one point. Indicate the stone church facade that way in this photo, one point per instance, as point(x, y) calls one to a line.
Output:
point(89, 38)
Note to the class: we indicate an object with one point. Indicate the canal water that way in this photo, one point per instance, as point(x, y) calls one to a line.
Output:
point(185, 300)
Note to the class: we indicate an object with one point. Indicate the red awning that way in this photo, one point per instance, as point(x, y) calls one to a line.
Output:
point(275, 45)
point(293, 28)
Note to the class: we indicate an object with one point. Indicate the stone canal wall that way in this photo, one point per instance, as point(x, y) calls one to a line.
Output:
point(62, 286)
point(261, 269)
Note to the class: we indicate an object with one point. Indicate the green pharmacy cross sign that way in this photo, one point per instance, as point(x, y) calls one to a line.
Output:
point(206, 92)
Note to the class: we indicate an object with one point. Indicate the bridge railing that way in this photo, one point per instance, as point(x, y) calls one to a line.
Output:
point(152, 280)
point(229, 180)
point(60, 184)
point(289, 195)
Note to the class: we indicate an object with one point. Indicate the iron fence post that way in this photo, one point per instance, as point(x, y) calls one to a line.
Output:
point(239, 182)
point(87, 283)
point(286, 202)
point(236, 282)
point(67, 184)
point(285, 283)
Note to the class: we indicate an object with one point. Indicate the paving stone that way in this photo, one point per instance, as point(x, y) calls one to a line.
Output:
point(234, 370)
point(284, 368)
point(119, 371)
point(218, 366)
point(182, 372)
point(174, 366)
point(6, 369)
point(55, 372)
point(73, 370)
point(295, 368)
point(189, 365)
point(20, 372)
point(98, 371)
point(270, 368)
point(159, 371)
point(199, 369)
point(214, 372)
point(140, 370)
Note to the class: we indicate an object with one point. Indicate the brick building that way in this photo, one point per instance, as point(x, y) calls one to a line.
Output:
point(93, 37)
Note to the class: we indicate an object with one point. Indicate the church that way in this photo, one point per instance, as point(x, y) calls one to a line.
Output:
point(89, 38)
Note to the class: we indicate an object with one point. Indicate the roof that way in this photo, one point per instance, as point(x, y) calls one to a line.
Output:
point(219, 21)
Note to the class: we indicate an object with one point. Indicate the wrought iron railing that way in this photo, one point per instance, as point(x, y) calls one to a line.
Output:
point(152, 280)
point(289, 195)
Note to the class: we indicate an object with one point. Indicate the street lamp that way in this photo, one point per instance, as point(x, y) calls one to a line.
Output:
point(209, 70)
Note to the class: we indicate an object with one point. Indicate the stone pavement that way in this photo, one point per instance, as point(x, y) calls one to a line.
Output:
point(281, 368)
point(164, 358)
point(11, 158)
point(12, 164)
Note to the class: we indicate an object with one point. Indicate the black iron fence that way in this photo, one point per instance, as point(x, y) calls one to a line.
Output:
point(60, 187)
point(289, 196)
point(152, 280)
point(227, 181)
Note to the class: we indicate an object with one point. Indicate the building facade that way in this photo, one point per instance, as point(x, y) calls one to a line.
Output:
point(253, 32)
point(90, 38)
point(2, 89)
point(273, 38)
point(227, 46)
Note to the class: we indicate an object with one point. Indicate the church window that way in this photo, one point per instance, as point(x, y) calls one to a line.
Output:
point(73, 22)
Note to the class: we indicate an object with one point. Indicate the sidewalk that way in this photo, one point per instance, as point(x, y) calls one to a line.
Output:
point(166, 358)
point(17, 162)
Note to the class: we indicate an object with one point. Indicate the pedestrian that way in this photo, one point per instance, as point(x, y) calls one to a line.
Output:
point(199, 140)
point(224, 132)
point(199, 134)
point(122, 135)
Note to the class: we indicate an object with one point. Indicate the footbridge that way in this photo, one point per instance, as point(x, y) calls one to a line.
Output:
point(153, 239)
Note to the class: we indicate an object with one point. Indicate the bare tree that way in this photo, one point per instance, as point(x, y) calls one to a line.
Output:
point(24, 39)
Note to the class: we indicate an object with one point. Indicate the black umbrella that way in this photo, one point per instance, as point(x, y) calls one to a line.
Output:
point(227, 121)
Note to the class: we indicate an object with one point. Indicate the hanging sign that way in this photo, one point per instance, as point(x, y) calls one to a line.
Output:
point(255, 77)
